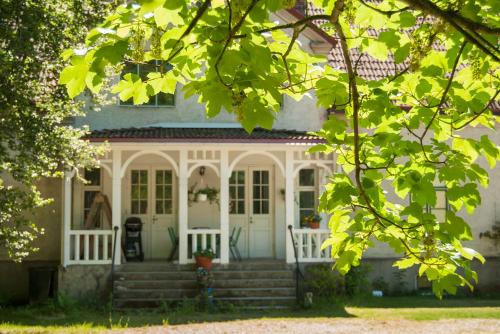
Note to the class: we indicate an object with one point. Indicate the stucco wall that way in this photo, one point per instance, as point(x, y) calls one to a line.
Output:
point(14, 277)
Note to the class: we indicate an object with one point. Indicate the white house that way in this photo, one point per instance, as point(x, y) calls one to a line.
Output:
point(162, 152)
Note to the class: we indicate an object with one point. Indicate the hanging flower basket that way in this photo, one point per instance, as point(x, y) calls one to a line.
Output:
point(201, 197)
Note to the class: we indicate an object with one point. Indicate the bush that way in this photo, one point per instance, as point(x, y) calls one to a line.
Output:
point(380, 284)
point(323, 281)
point(356, 280)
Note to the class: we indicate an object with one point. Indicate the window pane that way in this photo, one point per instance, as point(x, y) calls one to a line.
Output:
point(144, 192)
point(241, 192)
point(241, 177)
point(135, 177)
point(241, 207)
point(167, 192)
point(265, 192)
point(232, 207)
point(306, 199)
point(164, 99)
point(232, 192)
point(168, 206)
point(232, 179)
point(265, 177)
point(265, 207)
point(306, 177)
point(440, 199)
point(168, 177)
point(256, 177)
point(144, 207)
point(93, 176)
point(159, 192)
point(159, 177)
point(144, 176)
point(256, 192)
point(135, 192)
point(256, 207)
point(159, 207)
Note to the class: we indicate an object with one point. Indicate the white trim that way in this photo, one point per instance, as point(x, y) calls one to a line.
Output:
point(117, 202)
point(183, 207)
point(224, 206)
point(248, 153)
point(289, 205)
point(106, 168)
point(68, 192)
point(205, 164)
point(144, 152)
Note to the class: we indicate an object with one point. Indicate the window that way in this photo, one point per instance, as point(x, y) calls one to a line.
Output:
point(139, 192)
point(237, 193)
point(163, 192)
point(142, 70)
point(307, 193)
point(260, 189)
point(439, 210)
point(90, 189)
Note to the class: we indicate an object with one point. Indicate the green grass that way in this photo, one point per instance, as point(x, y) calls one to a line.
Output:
point(79, 319)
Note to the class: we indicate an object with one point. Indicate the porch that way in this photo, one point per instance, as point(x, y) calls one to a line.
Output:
point(265, 182)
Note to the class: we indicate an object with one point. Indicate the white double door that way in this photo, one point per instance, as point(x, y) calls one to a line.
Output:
point(251, 209)
point(151, 191)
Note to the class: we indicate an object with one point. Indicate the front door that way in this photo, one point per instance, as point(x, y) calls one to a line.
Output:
point(151, 199)
point(251, 207)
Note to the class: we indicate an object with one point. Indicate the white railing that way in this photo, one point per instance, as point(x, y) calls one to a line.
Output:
point(200, 239)
point(90, 246)
point(308, 242)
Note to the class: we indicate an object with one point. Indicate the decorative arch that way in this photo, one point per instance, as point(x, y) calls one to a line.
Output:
point(141, 153)
point(106, 168)
point(205, 164)
point(246, 154)
point(311, 163)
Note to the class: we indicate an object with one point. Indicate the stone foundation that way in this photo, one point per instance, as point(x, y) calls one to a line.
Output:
point(86, 282)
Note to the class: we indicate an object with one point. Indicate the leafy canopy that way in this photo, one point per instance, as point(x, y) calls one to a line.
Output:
point(400, 134)
point(35, 139)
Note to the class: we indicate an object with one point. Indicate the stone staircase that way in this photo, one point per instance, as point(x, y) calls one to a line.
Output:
point(255, 284)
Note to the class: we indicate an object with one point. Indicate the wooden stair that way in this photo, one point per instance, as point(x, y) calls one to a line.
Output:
point(256, 284)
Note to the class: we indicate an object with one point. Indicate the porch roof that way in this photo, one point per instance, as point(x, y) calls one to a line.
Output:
point(201, 135)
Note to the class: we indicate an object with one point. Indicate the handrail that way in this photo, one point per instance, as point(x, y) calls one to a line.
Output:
point(116, 228)
point(298, 272)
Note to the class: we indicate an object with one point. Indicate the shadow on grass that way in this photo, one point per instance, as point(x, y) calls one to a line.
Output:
point(48, 316)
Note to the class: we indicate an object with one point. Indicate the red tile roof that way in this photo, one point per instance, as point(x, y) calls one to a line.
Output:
point(201, 135)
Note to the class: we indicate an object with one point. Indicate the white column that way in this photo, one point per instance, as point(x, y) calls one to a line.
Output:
point(289, 205)
point(183, 207)
point(224, 207)
point(116, 205)
point(67, 193)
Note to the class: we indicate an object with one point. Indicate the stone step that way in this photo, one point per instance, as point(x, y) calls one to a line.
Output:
point(191, 275)
point(220, 283)
point(239, 302)
point(160, 267)
point(179, 294)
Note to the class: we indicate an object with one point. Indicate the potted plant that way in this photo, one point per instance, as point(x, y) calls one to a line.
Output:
point(208, 193)
point(204, 258)
point(313, 221)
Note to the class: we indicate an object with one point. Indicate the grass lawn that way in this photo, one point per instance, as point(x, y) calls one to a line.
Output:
point(74, 319)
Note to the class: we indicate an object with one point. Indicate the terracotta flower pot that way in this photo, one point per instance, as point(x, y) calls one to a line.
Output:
point(314, 225)
point(204, 262)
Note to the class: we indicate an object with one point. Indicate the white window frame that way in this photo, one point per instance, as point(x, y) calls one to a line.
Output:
point(89, 188)
point(314, 188)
